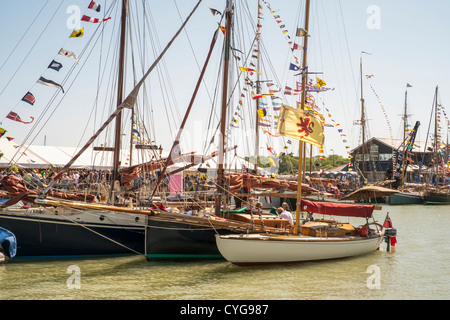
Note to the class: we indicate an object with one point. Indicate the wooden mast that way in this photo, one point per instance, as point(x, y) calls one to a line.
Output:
point(120, 86)
point(226, 62)
point(363, 123)
point(302, 106)
point(436, 145)
point(258, 91)
point(404, 142)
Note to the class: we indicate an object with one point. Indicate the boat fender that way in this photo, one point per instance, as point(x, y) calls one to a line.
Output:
point(364, 232)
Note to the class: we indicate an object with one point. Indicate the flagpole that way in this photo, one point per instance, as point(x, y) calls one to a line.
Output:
point(302, 106)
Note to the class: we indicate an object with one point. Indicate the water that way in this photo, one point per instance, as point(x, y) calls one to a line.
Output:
point(418, 269)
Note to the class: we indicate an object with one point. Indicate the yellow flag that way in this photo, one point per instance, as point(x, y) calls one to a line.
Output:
point(248, 69)
point(301, 125)
point(272, 162)
point(320, 82)
point(77, 33)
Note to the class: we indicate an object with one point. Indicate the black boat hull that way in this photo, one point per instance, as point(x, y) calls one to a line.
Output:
point(39, 237)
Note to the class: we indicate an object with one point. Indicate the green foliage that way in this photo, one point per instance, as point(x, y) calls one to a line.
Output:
point(288, 164)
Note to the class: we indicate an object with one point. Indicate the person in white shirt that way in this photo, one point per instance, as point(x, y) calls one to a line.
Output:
point(282, 213)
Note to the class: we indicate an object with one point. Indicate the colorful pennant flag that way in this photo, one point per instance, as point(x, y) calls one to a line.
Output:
point(94, 6)
point(215, 12)
point(320, 83)
point(15, 117)
point(249, 70)
point(77, 33)
point(69, 54)
point(29, 98)
point(50, 83)
point(93, 20)
point(301, 32)
point(301, 125)
point(2, 132)
point(55, 65)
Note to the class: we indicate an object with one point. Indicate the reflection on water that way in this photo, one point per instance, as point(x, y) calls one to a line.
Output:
point(416, 270)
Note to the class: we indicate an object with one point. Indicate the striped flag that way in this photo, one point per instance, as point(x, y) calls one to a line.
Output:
point(93, 20)
point(94, 6)
point(29, 98)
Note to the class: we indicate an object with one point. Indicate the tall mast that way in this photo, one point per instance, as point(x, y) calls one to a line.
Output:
point(436, 145)
point(120, 86)
point(220, 169)
point(258, 91)
point(404, 141)
point(302, 106)
point(363, 123)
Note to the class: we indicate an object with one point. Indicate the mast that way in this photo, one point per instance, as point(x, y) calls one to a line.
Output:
point(404, 141)
point(363, 123)
point(258, 91)
point(120, 86)
point(436, 146)
point(302, 106)
point(226, 62)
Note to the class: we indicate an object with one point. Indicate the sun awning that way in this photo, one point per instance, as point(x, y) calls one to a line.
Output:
point(338, 209)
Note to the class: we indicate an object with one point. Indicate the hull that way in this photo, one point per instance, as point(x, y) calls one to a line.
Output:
point(262, 249)
point(172, 240)
point(97, 233)
point(405, 198)
point(437, 198)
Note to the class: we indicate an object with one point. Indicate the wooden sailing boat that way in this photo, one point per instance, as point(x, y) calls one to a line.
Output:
point(437, 195)
point(74, 226)
point(316, 240)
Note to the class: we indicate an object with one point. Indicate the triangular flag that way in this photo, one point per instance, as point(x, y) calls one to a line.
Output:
point(49, 83)
point(69, 54)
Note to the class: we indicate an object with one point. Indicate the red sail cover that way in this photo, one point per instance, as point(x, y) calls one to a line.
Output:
point(338, 209)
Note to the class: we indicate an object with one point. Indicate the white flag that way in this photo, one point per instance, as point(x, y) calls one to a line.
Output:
point(68, 54)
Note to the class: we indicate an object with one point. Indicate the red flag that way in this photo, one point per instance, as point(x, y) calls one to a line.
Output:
point(387, 222)
point(15, 117)
point(93, 20)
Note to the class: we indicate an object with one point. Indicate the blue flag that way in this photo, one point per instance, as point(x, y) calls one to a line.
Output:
point(55, 65)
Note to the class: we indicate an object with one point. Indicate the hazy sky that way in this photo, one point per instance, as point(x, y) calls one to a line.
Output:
point(407, 40)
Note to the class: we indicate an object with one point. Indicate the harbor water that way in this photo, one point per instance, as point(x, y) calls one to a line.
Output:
point(417, 269)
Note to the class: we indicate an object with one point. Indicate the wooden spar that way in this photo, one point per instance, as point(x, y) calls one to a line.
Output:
point(177, 139)
point(258, 91)
point(302, 106)
point(127, 103)
point(81, 205)
point(404, 143)
point(436, 145)
point(227, 47)
point(120, 86)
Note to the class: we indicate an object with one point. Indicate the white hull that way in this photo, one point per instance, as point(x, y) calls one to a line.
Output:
point(253, 249)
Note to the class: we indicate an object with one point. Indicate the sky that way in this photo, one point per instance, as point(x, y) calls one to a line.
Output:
point(407, 41)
